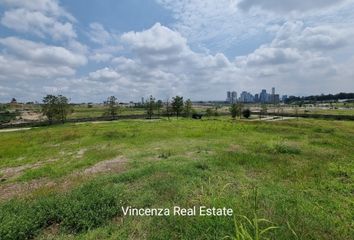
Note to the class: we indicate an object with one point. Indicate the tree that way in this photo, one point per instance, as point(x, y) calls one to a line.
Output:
point(168, 108)
point(159, 106)
point(188, 108)
point(49, 107)
point(177, 105)
point(63, 107)
point(150, 106)
point(263, 110)
point(233, 110)
point(209, 112)
point(246, 113)
point(55, 107)
point(112, 106)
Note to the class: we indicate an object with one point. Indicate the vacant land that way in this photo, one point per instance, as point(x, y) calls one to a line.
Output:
point(70, 181)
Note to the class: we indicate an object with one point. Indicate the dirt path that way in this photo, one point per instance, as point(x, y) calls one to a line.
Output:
point(14, 129)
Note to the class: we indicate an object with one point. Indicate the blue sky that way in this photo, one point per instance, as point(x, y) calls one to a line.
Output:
point(89, 50)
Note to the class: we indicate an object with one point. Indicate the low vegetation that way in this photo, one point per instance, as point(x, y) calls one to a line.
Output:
point(303, 172)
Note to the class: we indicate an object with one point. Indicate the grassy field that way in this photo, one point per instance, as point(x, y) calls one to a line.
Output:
point(56, 182)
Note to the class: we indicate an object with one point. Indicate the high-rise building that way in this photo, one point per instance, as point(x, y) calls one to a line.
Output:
point(256, 97)
point(273, 90)
point(233, 97)
point(263, 96)
point(228, 96)
point(284, 97)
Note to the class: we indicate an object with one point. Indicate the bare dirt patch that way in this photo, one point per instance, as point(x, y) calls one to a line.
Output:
point(10, 190)
point(235, 148)
point(13, 172)
point(114, 165)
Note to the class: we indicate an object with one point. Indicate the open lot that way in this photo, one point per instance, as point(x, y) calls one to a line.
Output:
point(70, 181)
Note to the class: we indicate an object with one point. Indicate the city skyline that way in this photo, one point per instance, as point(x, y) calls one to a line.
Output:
point(131, 48)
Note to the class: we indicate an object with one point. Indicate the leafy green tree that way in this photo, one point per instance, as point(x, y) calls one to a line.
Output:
point(188, 108)
point(63, 107)
point(177, 105)
point(112, 106)
point(55, 107)
point(150, 106)
point(233, 110)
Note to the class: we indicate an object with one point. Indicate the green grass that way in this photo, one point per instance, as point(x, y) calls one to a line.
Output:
point(303, 171)
point(82, 111)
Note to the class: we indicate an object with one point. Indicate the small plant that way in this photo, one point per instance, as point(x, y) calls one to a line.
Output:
point(250, 229)
point(165, 155)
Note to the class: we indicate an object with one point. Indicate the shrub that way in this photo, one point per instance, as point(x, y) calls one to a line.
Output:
point(246, 113)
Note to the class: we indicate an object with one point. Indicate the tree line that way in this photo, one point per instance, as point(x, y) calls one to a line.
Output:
point(319, 98)
point(57, 108)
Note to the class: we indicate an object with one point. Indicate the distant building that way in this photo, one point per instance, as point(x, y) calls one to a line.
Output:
point(246, 97)
point(256, 97)
point(228, 96)
point(263, 96)
point(284, 97)
point(231, 97)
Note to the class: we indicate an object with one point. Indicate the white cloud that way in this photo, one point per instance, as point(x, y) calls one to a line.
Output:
point(39, 17)
point(287, 5)
point(25, 21)
point(42, 53)
point(51, 7)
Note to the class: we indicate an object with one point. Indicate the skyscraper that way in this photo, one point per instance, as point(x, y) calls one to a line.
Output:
point(228, 96)
point(263, 96)
point(233, 97)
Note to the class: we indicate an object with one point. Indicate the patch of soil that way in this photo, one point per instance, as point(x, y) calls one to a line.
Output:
point(235, 148)
point(115, 165)
point(11, 190)
point(13, 172)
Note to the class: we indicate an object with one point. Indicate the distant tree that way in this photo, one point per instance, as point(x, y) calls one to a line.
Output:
point(297, 112)
point(233, 110)
point(168, 108)
point(49, 108)
point(159, 105)
point(216, 113)
point(188, 110)
point(209, 112)
point(63, 107)
point(55, 107)
point(13, 100)
point(150, 106)
point(112, 106)
point(246, 113)
point(177, 105)
point(263, 110)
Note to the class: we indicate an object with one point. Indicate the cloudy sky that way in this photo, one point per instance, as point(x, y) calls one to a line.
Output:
point(88, 50)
